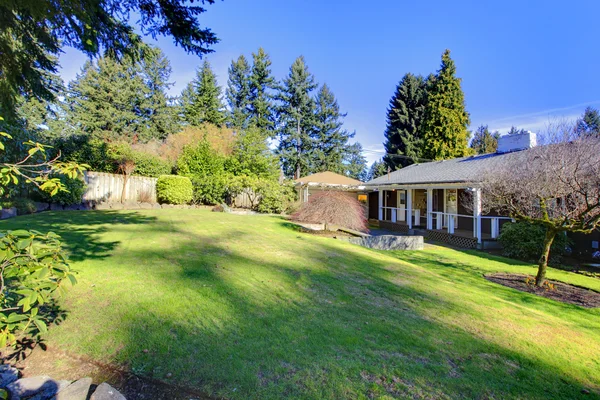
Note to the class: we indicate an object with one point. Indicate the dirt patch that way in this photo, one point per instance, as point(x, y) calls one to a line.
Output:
point(46, 360)
point(558, 291)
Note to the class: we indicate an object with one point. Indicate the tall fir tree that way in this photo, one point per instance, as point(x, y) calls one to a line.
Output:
point(331, 140)
point(158, 109)
point(261, 85)
point(355, 164)
point(445, 122)
point(297, 120)
point(123, 100)
point(238, 93)
point(201, 99)
point(377, 169)
point(403, 133)
point(589, 123)
point(484, 141)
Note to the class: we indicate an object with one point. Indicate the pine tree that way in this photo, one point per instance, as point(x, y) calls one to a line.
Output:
point(238, 93)
point(589, 123)
point(201, 99)
point(157, 107)
point(123, 100)
point(445, 120)
point(354, 162)
point(104, 99)
point(378, 168)
point(331, 140)
point(403, 132)
point(262, 83)
point(484, 141)
point(516, 131)
point(297, 114)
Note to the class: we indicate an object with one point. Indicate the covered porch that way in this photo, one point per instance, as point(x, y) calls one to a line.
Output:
point(438, 210)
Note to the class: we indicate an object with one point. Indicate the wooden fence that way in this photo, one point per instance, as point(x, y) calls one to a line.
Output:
point(105, 187)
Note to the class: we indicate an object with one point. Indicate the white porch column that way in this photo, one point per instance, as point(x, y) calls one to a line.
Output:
point(409, 206)
point(394, 219)
point(380, 204)
point(477, 214)
point(429, 208)
point(305, 193)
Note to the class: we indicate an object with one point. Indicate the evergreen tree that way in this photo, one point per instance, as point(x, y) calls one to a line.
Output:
point(516, 131)
point(157, 108)
point(33, 33)
point(484, 141)
point(355, 163)
point(261, 106)
point(445, 121)
point(589, 123)
point(331, 140)
point(123, 100)
point(104, 99)
point(378, 168)
point(297, 119)
point(201, 99)
point(238, 93)
point(403, 133)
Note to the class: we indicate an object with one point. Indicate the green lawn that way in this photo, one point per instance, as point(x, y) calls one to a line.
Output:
point(246, 307)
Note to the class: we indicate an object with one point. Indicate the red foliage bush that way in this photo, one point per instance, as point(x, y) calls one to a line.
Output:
point(333, 207)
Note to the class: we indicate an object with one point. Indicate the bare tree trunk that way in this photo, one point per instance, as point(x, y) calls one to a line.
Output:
point(543, 262)
point(123, 192)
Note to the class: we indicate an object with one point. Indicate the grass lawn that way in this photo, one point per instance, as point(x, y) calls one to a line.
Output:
point(246, 307)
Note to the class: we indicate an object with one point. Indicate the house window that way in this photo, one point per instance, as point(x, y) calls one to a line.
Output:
point(362, 198)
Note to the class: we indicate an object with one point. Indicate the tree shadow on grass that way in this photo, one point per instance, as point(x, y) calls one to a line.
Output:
point(338, 327)
point(80, 230)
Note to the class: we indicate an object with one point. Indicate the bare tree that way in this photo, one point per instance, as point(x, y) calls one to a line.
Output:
point(556, 185)
point(126, 167)
point(333, 208)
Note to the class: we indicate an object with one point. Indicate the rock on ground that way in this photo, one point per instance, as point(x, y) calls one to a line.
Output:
point(42, 387)
point(106, 392)
point(8, 374)
point(77, 390)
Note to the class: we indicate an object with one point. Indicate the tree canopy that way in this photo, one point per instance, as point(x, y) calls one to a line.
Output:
point(34, 31)
point(404, 133)
point(446, 119)
point(484, 141)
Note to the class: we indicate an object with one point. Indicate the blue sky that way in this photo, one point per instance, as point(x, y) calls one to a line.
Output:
point(522, 63)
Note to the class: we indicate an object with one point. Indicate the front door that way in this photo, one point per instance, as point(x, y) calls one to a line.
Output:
point(401, 214)
point(451, 205)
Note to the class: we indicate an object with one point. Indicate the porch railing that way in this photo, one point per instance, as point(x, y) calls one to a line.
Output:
point(450, 221)
point(397, 211)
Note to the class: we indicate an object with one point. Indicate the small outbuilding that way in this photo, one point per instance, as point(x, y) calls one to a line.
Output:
point(321, 181)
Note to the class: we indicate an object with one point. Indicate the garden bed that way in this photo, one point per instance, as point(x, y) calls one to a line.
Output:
point(559, 291)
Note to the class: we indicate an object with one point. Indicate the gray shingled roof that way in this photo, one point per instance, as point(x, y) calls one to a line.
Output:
point(457, 170)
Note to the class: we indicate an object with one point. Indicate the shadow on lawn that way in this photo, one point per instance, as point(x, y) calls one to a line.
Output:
point(80, 230)
point(337, 324)
point(343, 325)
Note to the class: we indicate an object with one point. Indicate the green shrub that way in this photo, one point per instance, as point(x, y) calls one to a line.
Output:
point(173, 189)
point(274, 197)
point(525, 241)
point(210, 190)
point(150, 165)
point(24, 206)
point(74, 194)
point(34, 272)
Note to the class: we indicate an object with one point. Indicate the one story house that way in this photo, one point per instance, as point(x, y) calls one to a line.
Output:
point(429, 196)
point(321, 181)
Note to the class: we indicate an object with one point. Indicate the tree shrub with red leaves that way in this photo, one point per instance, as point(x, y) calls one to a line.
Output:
point(335, 208)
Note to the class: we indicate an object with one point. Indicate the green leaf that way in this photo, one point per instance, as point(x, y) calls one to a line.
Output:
point(72, 279)
point(41, 325)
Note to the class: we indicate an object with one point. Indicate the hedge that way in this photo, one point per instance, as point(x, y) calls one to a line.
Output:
point(173, 189)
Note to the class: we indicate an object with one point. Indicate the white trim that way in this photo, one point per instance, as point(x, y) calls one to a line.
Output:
point(409, 206)
point(429, 208)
